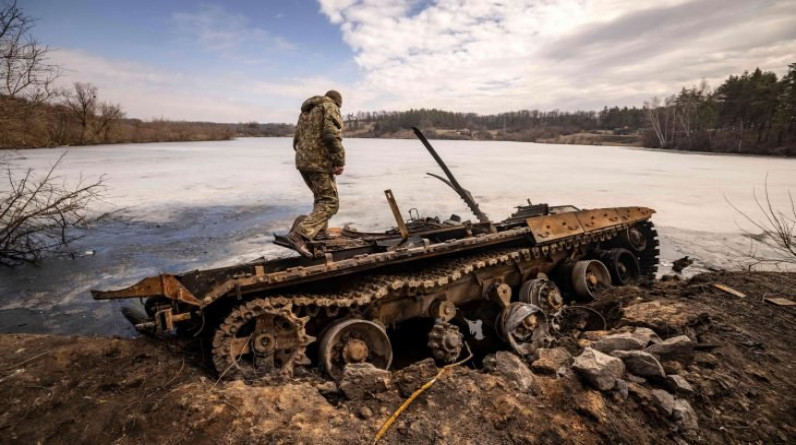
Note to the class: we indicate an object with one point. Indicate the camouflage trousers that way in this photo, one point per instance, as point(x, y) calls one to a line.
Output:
point(325, 204)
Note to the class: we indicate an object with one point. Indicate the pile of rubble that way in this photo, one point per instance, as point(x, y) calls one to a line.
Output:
point(640, 364)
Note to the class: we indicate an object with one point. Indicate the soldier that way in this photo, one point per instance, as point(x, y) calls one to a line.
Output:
point(319, 158)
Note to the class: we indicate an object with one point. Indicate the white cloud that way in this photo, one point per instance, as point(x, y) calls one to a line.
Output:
point(491, 56)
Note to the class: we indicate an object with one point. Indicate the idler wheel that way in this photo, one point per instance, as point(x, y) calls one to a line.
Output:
point(354, 341)
point(524, 327)
point(623, 266)
point(542, 292)
point(589, 278)
point(258, 339)
point(445, 341)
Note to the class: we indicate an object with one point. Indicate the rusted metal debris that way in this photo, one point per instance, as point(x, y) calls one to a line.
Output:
point(265, 317)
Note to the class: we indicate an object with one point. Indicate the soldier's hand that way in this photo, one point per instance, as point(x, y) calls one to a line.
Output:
point(338, 171)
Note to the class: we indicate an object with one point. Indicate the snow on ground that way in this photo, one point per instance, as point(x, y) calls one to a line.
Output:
point(181, 206)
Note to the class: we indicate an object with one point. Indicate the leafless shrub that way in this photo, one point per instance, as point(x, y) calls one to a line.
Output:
point(24, 68)
point(43, 215)
point(777, 231)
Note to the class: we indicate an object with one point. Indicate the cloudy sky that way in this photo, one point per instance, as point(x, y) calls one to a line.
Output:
point(256, 60)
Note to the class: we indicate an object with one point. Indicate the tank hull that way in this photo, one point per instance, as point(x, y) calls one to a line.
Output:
point(446, 273)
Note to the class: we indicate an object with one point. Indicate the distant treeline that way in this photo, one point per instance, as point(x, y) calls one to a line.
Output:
point(750, 113)
point(524, 125)
point(78, 117)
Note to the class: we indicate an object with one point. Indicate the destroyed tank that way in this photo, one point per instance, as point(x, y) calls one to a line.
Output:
point(344, 306)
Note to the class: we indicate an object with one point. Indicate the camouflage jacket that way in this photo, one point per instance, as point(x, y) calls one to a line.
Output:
point(318, 140)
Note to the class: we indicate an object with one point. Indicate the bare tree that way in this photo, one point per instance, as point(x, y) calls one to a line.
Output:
point(41, 216)
point(777, 230)
point(24, 69)
point(109, 116)
point(83, 103)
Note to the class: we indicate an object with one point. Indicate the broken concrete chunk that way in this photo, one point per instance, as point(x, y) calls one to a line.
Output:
point(663, 401)
point(641, 363)
point(362, 380)
point(679, 384)
point(601, 370)
point(550, 360)
point(512, 367)
point(620, 342)
point(685, 416)
point(680, 348)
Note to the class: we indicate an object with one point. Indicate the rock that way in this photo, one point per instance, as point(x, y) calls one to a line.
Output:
point(601, 370)
point(679, 384)
point(649, 334)
point(666, 318)
point(326, 387)
point(641, 363)
point(550, 360)
point(512, 367)
point(362, 380)
point(640, 393)
point(583, 343)
point(682, 263)
point(663, 401)
point(411, 378)
point(621, 389)
point(594, 335)
point(672, 367)
point(635, 379)
point(685, 416)
point(365, 413)
point(706, 359)
point(620, 342)
point(591, 404)
point(680, 348)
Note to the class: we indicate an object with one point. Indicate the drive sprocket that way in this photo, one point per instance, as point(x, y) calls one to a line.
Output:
point(259, 338)
point(445, 341)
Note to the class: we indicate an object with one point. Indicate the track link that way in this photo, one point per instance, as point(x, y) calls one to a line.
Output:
point(372, 288)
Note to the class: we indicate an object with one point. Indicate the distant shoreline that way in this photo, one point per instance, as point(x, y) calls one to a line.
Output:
point(581, 138)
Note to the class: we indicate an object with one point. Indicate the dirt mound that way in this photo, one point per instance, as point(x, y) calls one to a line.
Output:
point(727, 364)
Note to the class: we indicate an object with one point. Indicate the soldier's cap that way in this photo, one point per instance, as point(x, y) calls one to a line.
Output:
point(335, 96)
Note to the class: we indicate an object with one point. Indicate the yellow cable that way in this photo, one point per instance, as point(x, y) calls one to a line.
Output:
point(415, 394)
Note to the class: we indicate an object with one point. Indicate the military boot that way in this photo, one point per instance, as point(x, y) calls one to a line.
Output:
point(297, 242)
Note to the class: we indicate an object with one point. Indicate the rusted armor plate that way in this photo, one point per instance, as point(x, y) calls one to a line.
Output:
point(598, 218)
point(162, 285)
point(553, 227)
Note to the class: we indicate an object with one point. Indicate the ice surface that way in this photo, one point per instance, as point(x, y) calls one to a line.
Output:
point(181, 206)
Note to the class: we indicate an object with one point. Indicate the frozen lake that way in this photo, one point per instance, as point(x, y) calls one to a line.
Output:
point(181, 206)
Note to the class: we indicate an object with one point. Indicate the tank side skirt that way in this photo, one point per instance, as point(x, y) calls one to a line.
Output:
point(259, 281)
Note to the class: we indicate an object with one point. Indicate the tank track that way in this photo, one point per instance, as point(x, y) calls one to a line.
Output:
point(648, 258)
point(428, 279)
